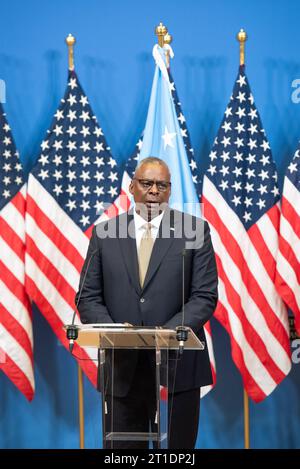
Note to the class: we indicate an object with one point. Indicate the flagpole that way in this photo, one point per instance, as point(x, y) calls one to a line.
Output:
point(242, 38)
point(80, 407)
point(70, 41)
point(246, 422)
point(160, 32)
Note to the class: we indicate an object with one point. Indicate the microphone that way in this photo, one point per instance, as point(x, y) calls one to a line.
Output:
point(182, 331)
point(72, 330)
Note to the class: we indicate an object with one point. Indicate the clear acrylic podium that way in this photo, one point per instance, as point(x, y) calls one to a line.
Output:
point(109, 340)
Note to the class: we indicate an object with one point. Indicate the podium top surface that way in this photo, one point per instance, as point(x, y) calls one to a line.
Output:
point(119, 336)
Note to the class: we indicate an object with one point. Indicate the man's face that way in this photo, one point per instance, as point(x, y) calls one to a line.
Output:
point(151, 189)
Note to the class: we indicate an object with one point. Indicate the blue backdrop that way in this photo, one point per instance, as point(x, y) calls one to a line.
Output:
point(114, 63)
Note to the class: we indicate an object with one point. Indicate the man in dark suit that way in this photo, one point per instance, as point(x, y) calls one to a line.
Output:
point(134, 271)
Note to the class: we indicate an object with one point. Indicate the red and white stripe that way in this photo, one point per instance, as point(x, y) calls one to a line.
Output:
point(288, 260)
point(16, 341)
point(249, 306)
point(55, 251)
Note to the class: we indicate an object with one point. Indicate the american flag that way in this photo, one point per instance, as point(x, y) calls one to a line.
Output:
point(240, 197)
point(126, 198)
point(16, 341)
point(74, 180)
point(288, 261)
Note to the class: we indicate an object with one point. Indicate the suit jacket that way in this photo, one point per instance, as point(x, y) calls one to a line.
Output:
point(111, 291)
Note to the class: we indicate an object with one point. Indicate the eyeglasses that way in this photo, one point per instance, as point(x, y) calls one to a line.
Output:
point(147, 184)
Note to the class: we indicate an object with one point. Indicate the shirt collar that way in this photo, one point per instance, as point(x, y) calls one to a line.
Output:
point(140, 221)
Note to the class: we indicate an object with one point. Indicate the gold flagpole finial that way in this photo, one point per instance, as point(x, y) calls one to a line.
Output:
point(242, 38)
point(167, 40)
point(70, 40)
point(160, 32)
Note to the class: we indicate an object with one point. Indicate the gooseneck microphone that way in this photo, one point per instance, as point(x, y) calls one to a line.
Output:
point(72, 330)
point(182, 331)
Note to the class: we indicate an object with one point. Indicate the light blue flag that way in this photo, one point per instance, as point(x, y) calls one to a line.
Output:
point(163, 139)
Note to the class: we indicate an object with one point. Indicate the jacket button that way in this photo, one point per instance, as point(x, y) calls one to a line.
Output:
point(142, 300)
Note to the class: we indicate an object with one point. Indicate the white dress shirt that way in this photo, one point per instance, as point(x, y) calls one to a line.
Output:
point(140, 225)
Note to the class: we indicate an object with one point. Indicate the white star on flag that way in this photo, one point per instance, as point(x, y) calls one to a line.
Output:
point(168, 137)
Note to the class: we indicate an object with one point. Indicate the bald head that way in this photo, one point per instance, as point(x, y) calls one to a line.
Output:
point(152, 160)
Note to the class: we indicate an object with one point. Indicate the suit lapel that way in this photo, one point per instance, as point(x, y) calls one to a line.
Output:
point(162, 244)
point(128, 248)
